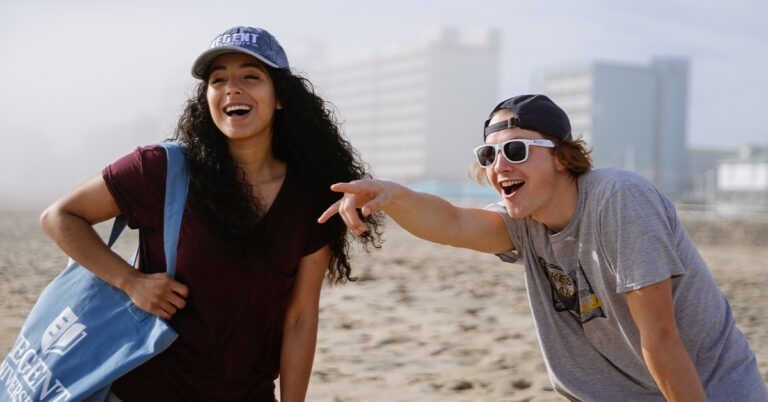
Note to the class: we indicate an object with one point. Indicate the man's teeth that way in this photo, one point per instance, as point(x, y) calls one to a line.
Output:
point(510, 183)
point(510, 186)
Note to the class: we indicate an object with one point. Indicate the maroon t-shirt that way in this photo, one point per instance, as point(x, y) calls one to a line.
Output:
point(230, 331)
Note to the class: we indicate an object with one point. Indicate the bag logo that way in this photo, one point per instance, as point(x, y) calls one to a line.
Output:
point(63, 333)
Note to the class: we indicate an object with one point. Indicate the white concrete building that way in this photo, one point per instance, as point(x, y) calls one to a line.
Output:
point(742, 182)
point(416, 111)
point(703, 165)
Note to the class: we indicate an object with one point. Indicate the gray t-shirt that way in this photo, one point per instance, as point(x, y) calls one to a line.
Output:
point(624, 235)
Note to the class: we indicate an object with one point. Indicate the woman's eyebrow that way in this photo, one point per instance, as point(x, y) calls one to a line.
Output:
point(244, 65)
point(255, 65)
point(216, 68)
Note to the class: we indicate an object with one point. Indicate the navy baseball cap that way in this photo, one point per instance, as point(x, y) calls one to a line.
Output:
point(256, 42)
point(534, 112)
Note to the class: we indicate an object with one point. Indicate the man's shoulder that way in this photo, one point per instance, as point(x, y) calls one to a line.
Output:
point(497, 207)
point(609, 185)
point(612, 179)
point(615, 175)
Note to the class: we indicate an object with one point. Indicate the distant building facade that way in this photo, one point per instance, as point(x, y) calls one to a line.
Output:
point(415, 112)
point(742, 182)
point(634, 117)
point(702, 165)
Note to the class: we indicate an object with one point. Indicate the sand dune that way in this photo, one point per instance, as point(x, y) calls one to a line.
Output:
point(424, 322)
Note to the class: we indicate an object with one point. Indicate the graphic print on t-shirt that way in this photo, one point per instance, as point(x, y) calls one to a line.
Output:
point(572, 292)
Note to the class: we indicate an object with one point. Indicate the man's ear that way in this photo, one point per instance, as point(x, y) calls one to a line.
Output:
point(279, 105)
point(559, 165)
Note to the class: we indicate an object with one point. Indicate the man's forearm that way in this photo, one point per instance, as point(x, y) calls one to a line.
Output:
point(424, 215)
point(432, 218)
point(673, 371)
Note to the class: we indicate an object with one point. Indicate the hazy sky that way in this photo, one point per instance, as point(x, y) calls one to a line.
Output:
point(83, 82)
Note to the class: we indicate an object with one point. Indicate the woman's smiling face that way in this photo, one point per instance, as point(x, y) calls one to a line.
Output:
point(241, 96)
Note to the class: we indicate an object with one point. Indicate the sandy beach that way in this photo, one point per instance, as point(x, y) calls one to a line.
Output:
point(424, 322)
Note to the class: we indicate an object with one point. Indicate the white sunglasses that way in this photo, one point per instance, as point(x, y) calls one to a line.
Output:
point(514, 151)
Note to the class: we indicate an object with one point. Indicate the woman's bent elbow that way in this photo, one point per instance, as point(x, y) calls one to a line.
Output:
point(48, 217)
point(53, 218)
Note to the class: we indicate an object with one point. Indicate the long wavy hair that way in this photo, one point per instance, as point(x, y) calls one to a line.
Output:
point(306, 136)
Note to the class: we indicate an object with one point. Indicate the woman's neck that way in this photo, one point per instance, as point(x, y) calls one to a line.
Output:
point(255, 157)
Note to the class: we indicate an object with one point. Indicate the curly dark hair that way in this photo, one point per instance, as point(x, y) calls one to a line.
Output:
point(305, 135)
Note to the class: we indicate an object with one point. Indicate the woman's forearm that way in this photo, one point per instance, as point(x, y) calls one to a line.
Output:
point(77, 238)
point(154, 293)
point(296, 357)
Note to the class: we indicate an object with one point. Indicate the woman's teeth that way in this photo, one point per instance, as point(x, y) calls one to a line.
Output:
point(237, 109)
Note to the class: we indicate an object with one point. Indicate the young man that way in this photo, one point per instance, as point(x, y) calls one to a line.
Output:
point(624, 306)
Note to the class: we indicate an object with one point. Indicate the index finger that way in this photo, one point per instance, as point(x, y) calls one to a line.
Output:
point(332, 210)
point(353, 187)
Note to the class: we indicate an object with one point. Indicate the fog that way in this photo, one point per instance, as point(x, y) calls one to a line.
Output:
point(84, 82)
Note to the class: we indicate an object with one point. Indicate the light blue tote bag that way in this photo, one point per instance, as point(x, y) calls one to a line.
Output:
point(83, 334)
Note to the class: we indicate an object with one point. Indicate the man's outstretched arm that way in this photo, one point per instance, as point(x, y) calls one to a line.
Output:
point(424, 215)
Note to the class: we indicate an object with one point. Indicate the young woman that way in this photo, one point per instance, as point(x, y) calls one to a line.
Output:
point(262, 152)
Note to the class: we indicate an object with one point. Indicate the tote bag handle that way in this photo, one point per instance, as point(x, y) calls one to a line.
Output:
point(176, 189)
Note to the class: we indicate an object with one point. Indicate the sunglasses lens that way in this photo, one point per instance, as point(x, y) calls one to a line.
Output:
point(515, 151)
point(486, 155)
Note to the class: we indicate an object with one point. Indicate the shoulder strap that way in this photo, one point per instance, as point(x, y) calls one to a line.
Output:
point(176, 188)
point(117, 228)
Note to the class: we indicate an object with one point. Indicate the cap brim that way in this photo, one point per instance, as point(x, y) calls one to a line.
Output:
point(203, 62)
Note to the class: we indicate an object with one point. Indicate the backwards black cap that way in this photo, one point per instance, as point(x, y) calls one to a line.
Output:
point(534, 112)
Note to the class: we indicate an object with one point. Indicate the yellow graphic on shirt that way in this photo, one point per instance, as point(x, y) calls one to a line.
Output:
point(594, 303)
point(572, 292)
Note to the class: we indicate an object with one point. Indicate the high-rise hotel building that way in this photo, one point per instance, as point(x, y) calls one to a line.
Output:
point(416, 111)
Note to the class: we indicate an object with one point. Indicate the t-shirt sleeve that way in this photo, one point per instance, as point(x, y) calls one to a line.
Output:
point(512, 230)
point(137, 184)
point(637, 227)
point(318, 236)
point(316, 240)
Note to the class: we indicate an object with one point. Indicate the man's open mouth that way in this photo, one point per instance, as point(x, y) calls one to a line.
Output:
point(510, 186)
